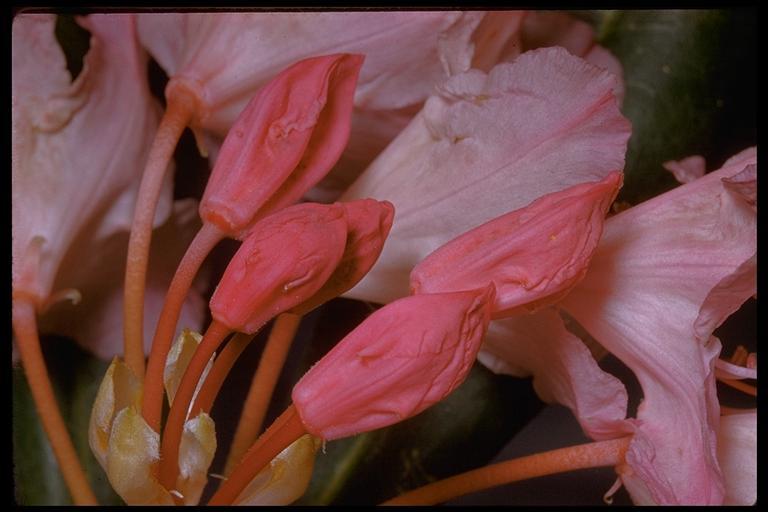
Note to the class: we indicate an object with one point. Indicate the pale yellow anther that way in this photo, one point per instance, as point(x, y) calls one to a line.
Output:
point(196, 451)
point(286, 478)
point(133, 448)
point(119, 389)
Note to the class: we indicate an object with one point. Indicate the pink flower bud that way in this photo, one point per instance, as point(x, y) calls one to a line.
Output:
point(368, 223)
point(533, 255)
point(285, 259)
point(285, 140)
point(402, 359)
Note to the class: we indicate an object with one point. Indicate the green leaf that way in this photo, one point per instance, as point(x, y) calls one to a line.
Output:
point(36, 476)
point(75, 377)
point(691, 80)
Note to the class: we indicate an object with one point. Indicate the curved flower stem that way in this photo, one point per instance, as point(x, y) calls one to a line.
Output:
point(174, 427)
point(221, 367)
point(181, 107)
point(25, 327)
point(741, 386)
point(262, 386)
point(286, 429)
point(590, 455)
point(198, 250)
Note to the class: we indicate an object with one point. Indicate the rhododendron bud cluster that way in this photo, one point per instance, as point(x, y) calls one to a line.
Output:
point(482, 230)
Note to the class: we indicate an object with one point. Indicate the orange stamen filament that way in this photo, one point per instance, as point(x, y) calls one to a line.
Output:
point(25, 326)
point(739, 356)
point(727, 411)
point(590, 455)
point(181, 107)
point(262, 386)
point(741, 386)
point(221, 367)
point(169, 447)
point(285, 430)
point(198, 250)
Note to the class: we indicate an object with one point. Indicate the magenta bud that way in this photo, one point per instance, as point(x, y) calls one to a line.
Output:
point(533, 255)
point(368, 224)
point(285, 259)
point(286, 140)
point(402, 359)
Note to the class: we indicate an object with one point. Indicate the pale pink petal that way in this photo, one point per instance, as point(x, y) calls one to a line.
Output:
point(744, 184)
point(563, 370)
point(603, 58)
point(687, 169)
point(726, 370)
point(533, 255)
point(96, 322)
point(486, 145)
point(542, 29)
point(497, 39)
point(726, 298)
point(76, 148)
point(737, 453)
point(647, 299)
point(742, 159)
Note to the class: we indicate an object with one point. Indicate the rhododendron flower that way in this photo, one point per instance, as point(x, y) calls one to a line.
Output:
point(391, 367)
point(257, 285)
point(665, 275)
point(492, 144)
point(407, 53)
point(74, 176)
point(495, 147)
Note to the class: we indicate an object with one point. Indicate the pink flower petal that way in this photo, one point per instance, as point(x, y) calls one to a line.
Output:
point(744, 184)
point(563, 370)
point(542, 29)
point(96, 322)
point(76, 150)
point(486, 145)
point(737, 453)
point(726, 370)
point(648, 298)
point(533, 255)
point(497, 39)
point(687, 169)
point(395, 364)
